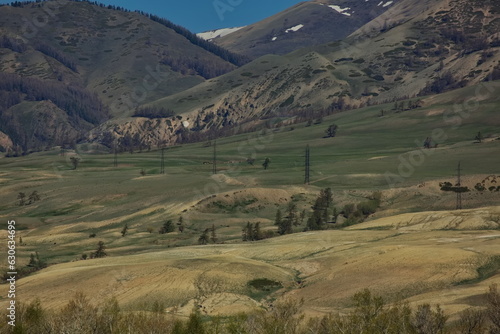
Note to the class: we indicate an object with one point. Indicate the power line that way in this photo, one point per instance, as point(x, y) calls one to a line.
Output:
point(308, 165)
point(459, 185)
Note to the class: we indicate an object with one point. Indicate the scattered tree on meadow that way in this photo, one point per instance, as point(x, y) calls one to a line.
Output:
point(75, 161)
point(257, 232)
point(33, 197)
point(213, 235)
point(427, 142)
point(167, 227)
point(320, 214)
point(285, 224)
point(247, 233)
point(100, 251)
point(124, 230)
point(36, 262)
point(252, 232)
point(266, 163)
point(331, 131)
point(180, 224)
point(479, 137)
point(278, 221)
point(203, 239)
point(22, 198)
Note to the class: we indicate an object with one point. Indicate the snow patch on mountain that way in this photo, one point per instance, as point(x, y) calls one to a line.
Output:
point(388, 3)
point(340, 10)
point(296, 28)
point(209, 35)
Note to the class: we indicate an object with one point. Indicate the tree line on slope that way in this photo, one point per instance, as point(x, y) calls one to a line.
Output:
point(219, 51)
point(77, 102)
point(323, 216)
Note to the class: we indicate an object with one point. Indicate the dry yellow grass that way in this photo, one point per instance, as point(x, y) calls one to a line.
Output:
point(406, 257)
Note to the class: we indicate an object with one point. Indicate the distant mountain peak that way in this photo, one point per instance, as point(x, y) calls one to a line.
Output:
point(306, 24)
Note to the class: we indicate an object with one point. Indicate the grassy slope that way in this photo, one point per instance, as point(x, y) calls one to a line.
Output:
point(330, 265)
point(97, 198)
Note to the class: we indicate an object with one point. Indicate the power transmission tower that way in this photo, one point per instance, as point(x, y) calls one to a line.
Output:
point(162, 162)
point(214, 163)
point(459, 185)
point(308, 165)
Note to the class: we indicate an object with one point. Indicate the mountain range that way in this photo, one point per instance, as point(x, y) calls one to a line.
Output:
point(305, 24)
point(84, 74)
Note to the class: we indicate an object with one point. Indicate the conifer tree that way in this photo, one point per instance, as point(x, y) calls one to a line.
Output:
point(257, 232)
point(213, 236)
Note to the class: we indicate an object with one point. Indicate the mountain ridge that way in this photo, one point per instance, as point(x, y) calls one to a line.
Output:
point(320, 21)
point(124, 57)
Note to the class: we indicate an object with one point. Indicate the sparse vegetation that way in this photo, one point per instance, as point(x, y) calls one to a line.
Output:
point(167, 227)
point(266, 163)
point(331, 131)
point(371, 314)
point(204, 238)
point(75, 161)
point(35, 262)
point(479, 137)
point(100, 251)
point(124, 230)
point(321, 210)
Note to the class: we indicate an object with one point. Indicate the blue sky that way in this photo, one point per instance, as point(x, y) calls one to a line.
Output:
point(202, 15)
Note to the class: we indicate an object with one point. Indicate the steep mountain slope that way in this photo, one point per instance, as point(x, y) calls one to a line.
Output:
point(305, 24)
point(424, 49)
point(125, 58)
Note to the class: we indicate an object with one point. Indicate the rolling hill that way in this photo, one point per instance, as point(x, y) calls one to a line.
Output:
point(420, 265)
point(115, 58)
